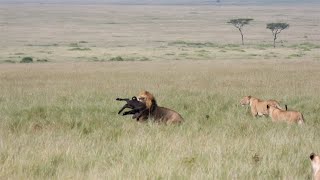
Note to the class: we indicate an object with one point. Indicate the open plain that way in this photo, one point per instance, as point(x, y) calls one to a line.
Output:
point(58, 115)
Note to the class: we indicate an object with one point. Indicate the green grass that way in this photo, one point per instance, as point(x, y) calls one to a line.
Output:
point(9, 61)
point(263, 46)
point(19, 53)
point(129, 58)
point(42, 60)
point(79, 49)
point(297, 55)
point(74, 45)
point(306, 46)
point(44, 45)
point(60, 121)
point(192, 44)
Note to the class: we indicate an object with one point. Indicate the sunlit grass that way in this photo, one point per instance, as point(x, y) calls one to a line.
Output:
point(60, 121)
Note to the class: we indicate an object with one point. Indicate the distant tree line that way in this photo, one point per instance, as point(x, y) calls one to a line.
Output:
point(275, 28)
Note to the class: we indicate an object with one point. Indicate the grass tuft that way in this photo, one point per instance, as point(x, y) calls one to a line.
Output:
point(79, 49)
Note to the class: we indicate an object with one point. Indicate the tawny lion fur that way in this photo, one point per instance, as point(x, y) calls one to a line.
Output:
point(277, 114)
point(258, 106)
point(160, 114)
point(315, 162)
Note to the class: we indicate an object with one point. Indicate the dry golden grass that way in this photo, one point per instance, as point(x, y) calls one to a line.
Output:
point(98, 33)
point(58, 120)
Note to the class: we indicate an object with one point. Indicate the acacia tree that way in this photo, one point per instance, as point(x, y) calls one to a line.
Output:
point(276, 29)
point(239, 23)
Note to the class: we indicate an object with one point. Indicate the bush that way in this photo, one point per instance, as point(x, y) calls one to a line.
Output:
point(9, 61)
point(80, 49)
point(193, 44)
point(26, 60)
point(74, 45)
point(42, 60)
point(118, 58)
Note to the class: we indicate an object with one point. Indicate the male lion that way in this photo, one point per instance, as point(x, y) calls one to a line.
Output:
point(277, 114)
point(160, 114)
point(315, 162)
point(258, 106)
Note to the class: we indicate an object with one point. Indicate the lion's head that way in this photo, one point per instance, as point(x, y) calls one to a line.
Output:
point(147, 98)
point(245, 100)
point(160, 114)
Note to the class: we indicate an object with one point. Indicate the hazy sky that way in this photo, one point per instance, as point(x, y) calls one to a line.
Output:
point(166, 1)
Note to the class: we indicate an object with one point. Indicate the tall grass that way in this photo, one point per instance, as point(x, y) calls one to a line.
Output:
point(59, 121)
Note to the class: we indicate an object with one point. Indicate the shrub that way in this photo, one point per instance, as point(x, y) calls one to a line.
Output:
point(193, 44)
point(74, 45)
point(118, 58)
point(18, 53)
point(26, 60)
point(9, 61)
point(144, 59)
point(42, 60)
point(80, 49)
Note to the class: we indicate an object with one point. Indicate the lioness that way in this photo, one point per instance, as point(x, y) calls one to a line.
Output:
point(156, 112)
point(258, 106)
point(277, 114)
point(315, 162)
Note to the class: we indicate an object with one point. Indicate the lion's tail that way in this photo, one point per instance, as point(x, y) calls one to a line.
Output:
point(301, 119)
point(279, 107)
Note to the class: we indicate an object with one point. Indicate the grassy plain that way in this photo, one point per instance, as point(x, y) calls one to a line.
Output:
point(58, 120)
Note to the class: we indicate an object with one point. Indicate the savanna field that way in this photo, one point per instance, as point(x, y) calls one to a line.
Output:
point(58, 115)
